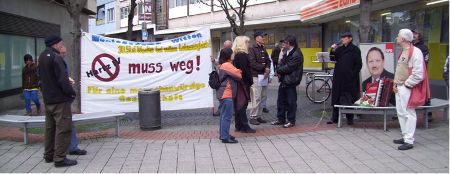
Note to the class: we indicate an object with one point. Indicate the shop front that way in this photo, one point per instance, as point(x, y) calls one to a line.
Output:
point(387, 18)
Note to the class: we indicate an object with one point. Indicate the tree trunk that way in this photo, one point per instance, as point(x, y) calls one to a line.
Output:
point(130, 20)
point(76, 60)
point(365, 8)
point(74, 9)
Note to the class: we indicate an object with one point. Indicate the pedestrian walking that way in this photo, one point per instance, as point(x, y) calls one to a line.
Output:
point(57, 93)
point(410, 87)
point(73, 149)
point(289, 71)
point(346, 75)
point(260, 67)
point(275, 54)
point(215, 63)
point(30, 84)
point(241, 61)
point(229, 76)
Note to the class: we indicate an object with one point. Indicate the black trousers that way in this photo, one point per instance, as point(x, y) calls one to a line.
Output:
point(240, 116)
point(344, 99)
point(286, 104)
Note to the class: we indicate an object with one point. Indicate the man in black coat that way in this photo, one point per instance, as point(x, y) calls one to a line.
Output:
point(290, 73)
point(275, 54)
point(375, 65)
point(346, 75)
point(57, 93)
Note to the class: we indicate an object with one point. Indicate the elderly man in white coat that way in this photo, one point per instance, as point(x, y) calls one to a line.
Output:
point(409, 74)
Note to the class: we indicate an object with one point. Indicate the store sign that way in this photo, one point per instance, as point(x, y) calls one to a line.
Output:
point(324, 7)
point(113, 71)
point(147, 11)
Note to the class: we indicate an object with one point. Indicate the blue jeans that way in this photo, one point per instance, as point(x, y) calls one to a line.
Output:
point(31, 95)
point(264, 102)
point(226, 113)
point(286, 102)
point(73, 140)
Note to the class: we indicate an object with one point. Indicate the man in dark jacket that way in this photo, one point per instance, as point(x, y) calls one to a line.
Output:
point(30, 84)
point(275, 54)
point(346, 75)
point(260, 65)
point(57, 93)
point(290, 73)
point(418, 42)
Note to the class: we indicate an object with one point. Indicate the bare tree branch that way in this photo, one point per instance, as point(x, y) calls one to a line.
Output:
point(226, 6)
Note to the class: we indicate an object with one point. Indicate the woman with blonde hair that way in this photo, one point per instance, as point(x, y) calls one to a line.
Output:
point(241, 61)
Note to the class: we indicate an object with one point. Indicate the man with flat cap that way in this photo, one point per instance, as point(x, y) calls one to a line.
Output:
point(260, 65)
point(346, 75)
point(57, 93)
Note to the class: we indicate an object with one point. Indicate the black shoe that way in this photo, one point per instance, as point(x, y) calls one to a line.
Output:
point(248, 130)
point(399, 141)
point(289, 125)
point(278, 122)
point(217, 113)
point(231, 137)
point(48, 160)
point(254, 121)
point(394, 118)
point(66, 162)
point(261, 120)
point(331, 122)
point(405, 146)
point(229, 140)
point(265, 110)
point(237, 130)
point(78, 152)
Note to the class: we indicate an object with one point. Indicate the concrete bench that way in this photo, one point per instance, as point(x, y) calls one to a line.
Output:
point(435, 104)
point(26, 122)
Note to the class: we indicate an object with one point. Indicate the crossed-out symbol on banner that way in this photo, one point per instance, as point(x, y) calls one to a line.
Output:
point(105, 68)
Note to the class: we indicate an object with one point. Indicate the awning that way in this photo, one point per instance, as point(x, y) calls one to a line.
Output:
point(323, 7)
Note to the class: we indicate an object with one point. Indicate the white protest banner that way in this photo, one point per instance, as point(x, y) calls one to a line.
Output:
point(387, 51)
point(113, 71)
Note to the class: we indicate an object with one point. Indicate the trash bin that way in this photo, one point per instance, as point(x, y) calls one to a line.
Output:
point(149, 109)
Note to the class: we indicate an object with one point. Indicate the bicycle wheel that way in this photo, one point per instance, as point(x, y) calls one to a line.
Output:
point(322, 91)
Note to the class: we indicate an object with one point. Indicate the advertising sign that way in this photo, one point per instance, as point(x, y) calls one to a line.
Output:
point(113, 71)
point(373, 63)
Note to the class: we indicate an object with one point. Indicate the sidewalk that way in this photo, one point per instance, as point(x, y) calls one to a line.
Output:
point(336, 150)
point(188, 143)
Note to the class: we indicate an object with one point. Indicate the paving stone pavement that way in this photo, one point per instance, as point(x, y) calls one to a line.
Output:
point(363, 147)
point(344, 150)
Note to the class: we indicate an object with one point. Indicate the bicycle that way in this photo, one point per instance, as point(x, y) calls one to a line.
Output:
point(318, 88)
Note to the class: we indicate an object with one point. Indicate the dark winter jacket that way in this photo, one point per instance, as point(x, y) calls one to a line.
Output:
point(55, 85)
point(346, 72)
point(386, 74)
point(275, 54)
point(259, 61)
point(29, 77)
point(241, 62)
point(291, 68)
point(425, 51)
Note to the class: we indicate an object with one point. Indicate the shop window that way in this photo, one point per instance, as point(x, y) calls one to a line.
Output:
point(12, 50)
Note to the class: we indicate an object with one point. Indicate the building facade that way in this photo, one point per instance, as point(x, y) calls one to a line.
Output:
point(317, 24)
point(23, 29)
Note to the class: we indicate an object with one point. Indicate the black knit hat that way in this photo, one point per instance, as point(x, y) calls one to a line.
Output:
point(52, 39)
point(27, 57)
point(346, 34)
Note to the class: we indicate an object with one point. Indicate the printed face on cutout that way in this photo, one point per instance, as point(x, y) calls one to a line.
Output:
point(375, 63)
